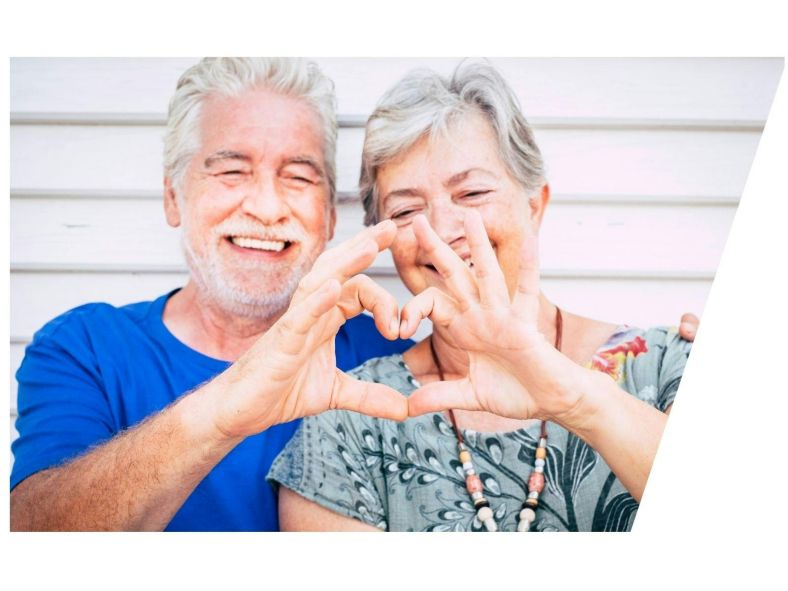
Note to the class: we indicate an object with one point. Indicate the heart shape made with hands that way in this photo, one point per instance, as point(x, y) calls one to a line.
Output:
point(511, 369)
point(511, 365)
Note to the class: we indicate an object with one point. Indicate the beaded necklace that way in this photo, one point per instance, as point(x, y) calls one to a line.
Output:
point(472, 481)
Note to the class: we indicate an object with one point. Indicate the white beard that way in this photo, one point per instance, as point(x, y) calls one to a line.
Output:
point(273, 285)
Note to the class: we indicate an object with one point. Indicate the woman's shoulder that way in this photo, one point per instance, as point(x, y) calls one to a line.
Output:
point(647, 362)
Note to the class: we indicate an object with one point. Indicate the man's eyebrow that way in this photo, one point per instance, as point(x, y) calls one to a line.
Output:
point(225, 155)
point(461, 176)
point(308, 161)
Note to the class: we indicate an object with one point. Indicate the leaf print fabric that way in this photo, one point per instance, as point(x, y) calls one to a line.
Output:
point(406, 476)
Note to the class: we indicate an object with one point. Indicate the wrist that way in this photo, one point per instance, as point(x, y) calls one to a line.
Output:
point(198, 412)
point(587, 394)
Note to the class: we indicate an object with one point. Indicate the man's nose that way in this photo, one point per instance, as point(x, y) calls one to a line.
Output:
point(447, 219)
point(266, 200)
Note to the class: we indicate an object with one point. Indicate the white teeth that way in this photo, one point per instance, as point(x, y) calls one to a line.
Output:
point(270, 245)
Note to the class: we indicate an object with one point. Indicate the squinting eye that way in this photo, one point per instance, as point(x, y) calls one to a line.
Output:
point(400, 215)
point(475, 193)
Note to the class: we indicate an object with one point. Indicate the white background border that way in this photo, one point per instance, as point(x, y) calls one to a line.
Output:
point(714, 503)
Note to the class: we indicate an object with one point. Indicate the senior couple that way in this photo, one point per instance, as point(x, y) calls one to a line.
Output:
point(183, 413)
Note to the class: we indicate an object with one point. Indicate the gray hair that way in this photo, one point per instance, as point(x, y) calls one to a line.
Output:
point(231, 76)
point(424, 103)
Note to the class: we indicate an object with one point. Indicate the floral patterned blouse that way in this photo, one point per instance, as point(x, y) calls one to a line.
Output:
point(406, 476)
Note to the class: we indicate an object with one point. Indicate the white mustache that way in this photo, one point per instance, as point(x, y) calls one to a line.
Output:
point(289, 232)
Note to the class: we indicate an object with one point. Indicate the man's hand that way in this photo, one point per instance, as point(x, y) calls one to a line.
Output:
point(291, 371)
point(688, 327)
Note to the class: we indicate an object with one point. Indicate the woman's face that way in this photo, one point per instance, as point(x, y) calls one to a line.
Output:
point(444, 177)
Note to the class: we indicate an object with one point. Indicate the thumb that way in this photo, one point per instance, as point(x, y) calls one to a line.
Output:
point(369, 398)
point(440, 396)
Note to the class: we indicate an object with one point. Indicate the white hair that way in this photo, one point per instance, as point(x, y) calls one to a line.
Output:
point(424, 104)
point(231, 76)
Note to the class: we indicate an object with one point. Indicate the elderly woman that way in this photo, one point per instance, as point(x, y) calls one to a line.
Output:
point(525, 417)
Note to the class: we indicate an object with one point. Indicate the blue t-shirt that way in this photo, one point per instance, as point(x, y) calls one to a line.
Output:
point(98, 369)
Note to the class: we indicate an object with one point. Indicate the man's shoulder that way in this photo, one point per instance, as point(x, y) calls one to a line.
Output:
point(95, 316)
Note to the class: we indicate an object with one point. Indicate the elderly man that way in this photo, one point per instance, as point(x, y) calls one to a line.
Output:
point(168, 414)
point(249, 176)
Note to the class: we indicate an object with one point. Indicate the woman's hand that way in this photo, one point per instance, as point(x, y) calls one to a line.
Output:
point(291, 371)
point(513, 370)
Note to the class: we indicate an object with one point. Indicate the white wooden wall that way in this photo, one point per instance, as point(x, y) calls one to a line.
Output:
point(646, 158)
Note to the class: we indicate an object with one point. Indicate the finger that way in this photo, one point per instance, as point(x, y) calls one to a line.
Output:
point(362, 293)
point(440, 396)
point(294, 326)
point(451, 267)
point(688, 327)
point(369, 398)
point(431, 303)
point(489, 277)
point(348, 258)
point(525, 302)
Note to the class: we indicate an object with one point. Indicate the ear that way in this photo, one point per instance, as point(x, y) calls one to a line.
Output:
point(538, 204)
point(171, 210)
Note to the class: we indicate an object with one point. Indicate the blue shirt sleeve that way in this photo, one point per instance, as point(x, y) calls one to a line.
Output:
point(63, 409)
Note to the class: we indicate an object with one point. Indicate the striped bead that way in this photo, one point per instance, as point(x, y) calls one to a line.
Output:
point(541, 453)
point(481, 502)
point(474, 484)
point(536, 482)
point(465, 457)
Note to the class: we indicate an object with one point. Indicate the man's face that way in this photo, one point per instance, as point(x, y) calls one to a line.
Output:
point(254, 202)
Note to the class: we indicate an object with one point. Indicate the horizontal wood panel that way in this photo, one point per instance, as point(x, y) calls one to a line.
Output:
point(585, 237)
point(659, 88)
point(581, 161)
point(38, 297)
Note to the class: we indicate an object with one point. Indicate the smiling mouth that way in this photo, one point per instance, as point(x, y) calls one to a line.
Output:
point(248, 243)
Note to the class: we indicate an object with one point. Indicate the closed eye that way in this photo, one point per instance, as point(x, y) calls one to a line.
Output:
point(476, 193)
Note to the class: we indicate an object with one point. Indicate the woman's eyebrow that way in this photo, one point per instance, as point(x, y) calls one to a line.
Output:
point(461, 176)
point(406, 192)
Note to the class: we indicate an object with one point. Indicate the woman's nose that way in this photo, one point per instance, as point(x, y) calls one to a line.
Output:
point(447, 219)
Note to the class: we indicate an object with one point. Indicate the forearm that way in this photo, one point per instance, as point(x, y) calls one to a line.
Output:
point(625, 431)
point(136, 481)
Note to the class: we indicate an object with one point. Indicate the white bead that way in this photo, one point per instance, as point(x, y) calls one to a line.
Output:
point(523, 526)
point(490, 525)
point(470, 472)
point(539, 463)
point(477, 495)
point(533, 494)
point(539, 469)
point(527, 514)
point(467, 466)
point(484, 514)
